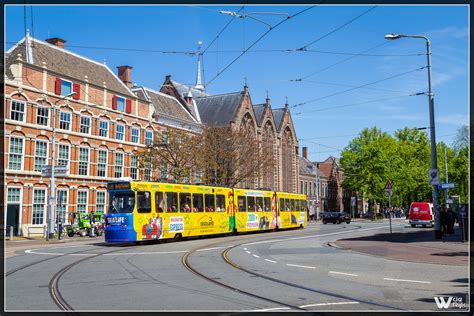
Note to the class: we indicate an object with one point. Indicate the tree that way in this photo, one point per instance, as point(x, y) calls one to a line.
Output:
point(462, 138)
point(230, 157)
point(175, 152)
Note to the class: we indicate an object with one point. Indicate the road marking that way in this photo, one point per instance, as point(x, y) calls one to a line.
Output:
point(270, 261)
point(245, 248)
point(335, 272)
point(205, 249)
point(83, 254)
point(312, 236)
point(413, 281)
point(270, 309)
point(326, 304)
point(256, 256)
point(295, 265)
point(44, 253)
point(144, 253)
point(247, 251)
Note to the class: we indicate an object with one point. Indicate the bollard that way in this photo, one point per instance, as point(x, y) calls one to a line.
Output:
point(11, 232)
point(45, 232)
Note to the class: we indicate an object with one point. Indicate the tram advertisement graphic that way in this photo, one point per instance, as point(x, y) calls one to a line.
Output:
point(252, 220)
point(176, 224)
point(301, 218)
point(154, 228)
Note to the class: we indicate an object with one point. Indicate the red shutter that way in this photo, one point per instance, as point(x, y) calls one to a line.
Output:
point(128, 106)
point(57, 86)
point(76, 88)
point(114, 102)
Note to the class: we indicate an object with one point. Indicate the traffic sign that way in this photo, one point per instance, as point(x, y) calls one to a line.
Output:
point(59, 171)
point(388, 187)
point(449, 201)
point(450, 185)
point(433, 176)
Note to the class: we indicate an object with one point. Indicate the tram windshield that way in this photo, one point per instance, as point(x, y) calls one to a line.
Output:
point(122, 202)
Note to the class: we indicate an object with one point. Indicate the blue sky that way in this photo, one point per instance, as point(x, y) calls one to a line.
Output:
point(327, 68)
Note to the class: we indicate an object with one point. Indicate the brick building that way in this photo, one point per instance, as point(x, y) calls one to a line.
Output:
point(99, 129)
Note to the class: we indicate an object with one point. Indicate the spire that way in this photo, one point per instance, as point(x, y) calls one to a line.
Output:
point(199, 84)
point(286, 103)
point(29, 52)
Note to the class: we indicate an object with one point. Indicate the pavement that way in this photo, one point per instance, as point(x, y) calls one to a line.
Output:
point(418, 245)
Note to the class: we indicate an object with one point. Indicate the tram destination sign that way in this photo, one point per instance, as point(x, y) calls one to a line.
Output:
point(118, 186)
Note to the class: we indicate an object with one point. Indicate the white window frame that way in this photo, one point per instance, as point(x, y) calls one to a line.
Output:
point(138, 136)
point(24, 110)
point(106, 161)
point(68, 153)
point(90, 124)
point(124, 104)
point(146, 138)
point(65, 218)
point(22, 152)
point(115, 164)
point(105, 200)
point(116, 131)
point(20, 202)
point(132, 167)
point(42, 107)
point(79, 160)
point(70, 120)
point(108, 127)
point(44, 205)
point(72, 86)
point(47, 153)
point(87, 200)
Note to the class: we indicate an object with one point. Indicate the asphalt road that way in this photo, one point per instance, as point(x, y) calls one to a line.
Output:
point(290, 270)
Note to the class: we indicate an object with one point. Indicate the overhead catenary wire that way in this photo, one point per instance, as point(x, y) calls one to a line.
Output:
point(337, 29)
point(357, 87)
point(255, 42)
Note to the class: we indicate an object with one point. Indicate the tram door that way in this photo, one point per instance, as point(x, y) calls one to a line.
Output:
point(13, 214)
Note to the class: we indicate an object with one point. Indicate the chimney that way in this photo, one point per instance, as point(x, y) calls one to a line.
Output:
point(305, 152)
point(56, 41)
point(125, 74)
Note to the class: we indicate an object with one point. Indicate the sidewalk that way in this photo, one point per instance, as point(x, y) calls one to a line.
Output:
point(415, 246)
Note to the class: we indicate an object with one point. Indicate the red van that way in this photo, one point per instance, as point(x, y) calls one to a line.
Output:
point(421, 213)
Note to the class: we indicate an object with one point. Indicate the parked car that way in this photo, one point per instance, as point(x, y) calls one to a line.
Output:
point(335, 217)
point(421, 213)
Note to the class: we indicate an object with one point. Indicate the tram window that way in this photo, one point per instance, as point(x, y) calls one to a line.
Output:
point(209, 202)
point(266, 202)
point(122, 202)
point(259, 204)
point(144, 202)
point(297, 205)
point(172, 202)
point(197, 203)
point(251, 203)
point(242, 204)
point(159, 202)
point(282, 205)
point(287, 205)
point(185, 202)
point(220, 203)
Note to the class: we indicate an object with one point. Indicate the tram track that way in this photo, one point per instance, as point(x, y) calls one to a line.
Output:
point(226, 259)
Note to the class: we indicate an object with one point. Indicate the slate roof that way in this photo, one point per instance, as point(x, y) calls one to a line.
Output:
point(67, 64)
point(219, 110)
point(278, 115)
point(165, 105)
point(259, 110)
point(184, 89)
point(303, 167)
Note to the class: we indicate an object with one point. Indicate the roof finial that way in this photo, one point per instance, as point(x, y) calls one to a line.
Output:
point(199, 84)
point(286, 103)
point(245, 82)
point(267, 95)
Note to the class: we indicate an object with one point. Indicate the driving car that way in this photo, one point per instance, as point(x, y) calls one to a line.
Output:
point(335, 217)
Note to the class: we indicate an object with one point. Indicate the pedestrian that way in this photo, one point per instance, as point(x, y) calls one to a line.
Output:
point(311, 213)
point(442, 219)
point(91, 230)
point(450, 221)
point(60, 226)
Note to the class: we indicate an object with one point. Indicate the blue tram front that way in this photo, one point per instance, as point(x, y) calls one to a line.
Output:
point(119, 219)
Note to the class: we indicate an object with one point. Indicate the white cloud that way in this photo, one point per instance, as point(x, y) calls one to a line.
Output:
point(450, 31)
point(453, 119)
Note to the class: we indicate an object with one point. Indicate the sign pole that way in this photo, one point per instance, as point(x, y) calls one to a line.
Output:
point(390, 210)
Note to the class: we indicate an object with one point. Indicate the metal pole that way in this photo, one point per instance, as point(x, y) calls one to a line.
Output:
point(52, 184)
point(434, 164)
point(445, 176)
point(317, 191)
point(390, 210)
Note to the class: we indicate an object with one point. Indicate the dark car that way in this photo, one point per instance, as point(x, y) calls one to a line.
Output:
point(335, 217)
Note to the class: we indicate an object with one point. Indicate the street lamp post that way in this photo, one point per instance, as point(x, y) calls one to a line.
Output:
point(52, 189)
point(434, 164)
point(317, 190)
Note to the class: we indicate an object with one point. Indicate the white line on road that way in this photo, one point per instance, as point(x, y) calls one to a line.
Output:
point(247, 251)
point(205, 249)
point(270, 261)
point(298, 266)
point(44, 253)
point(245, 248)
point(83, 254)
point(256, 256)
point(413, 281)
point(270, 309)
point(326, 304)
point(335, 272)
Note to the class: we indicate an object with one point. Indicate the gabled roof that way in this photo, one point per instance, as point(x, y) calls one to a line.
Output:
point(66, 64)
point(219, 110)
point(325, 169)
point(164, 104)
point(259, 110)
point(278, 115)
point(305, 167)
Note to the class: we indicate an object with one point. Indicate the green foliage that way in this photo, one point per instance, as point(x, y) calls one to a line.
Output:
point(374, 157)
